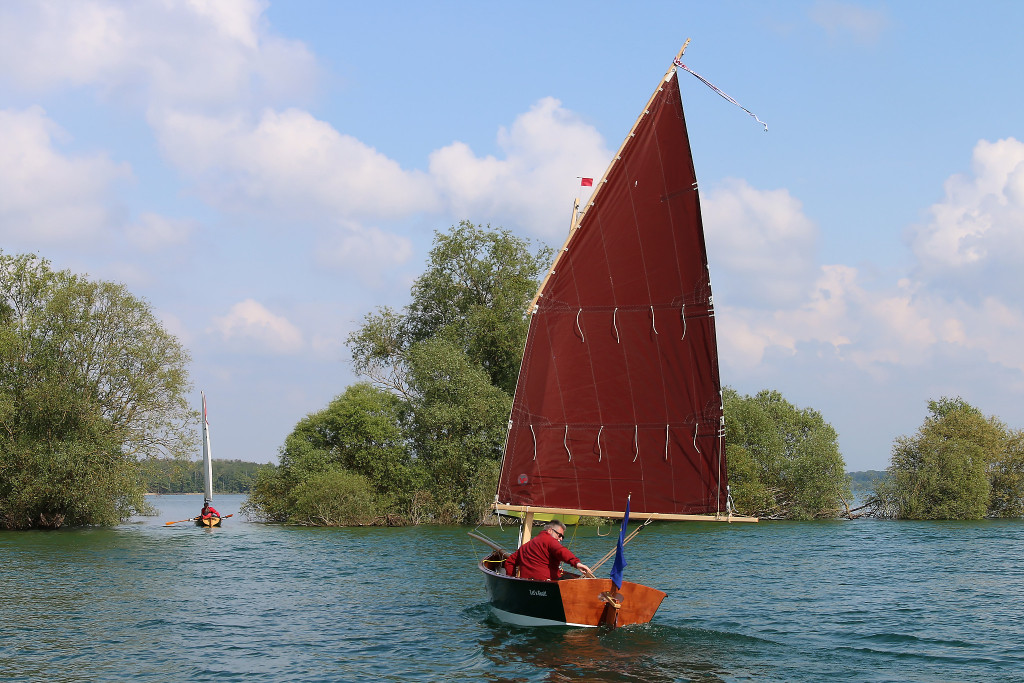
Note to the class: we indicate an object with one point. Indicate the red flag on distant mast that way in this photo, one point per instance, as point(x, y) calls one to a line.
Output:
point(587, 182)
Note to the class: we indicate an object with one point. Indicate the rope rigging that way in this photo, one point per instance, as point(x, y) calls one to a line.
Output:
point(720, 92)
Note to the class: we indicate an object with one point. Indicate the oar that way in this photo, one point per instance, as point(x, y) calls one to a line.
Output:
point(190, 519)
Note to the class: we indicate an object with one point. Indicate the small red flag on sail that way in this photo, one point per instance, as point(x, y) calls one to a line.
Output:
point(587, 182)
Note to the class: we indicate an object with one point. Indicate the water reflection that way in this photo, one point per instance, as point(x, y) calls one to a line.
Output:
point(652, 653)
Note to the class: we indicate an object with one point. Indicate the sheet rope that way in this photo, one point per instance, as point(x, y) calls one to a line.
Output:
point(718, 90)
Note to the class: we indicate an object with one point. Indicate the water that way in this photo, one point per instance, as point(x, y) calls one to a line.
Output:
point(864, 601)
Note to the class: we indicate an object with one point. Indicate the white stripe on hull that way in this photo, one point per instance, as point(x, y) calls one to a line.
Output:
point(523, 620)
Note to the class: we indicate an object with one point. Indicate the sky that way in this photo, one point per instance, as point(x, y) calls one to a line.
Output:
point(265, 174)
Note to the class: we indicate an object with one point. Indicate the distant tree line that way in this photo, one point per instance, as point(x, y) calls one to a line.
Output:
point(865, 482)
point(163, 475)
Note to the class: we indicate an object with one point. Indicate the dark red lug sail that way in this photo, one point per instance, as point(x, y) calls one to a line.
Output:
point(619, 391)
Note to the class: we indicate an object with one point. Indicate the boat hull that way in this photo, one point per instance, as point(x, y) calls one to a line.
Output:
point(211, 522)
point(573, 601)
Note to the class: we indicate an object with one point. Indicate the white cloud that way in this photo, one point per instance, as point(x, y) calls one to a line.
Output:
point(962, 300)
point(46, 196)
point(368, 251)
point(289, 164)
point(872, 329)
point(250, 326)
point(862, 24)
point(822, 316)
point(546, 149)
point(998, 328)
point(976, 233)
point(763, 240)
point(292, 164)
point(153, 232)
point(202, 69)
point(200, 53)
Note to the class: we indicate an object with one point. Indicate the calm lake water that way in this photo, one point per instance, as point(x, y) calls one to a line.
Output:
point(862, 601)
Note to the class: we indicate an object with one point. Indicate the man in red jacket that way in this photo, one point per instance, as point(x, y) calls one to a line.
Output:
point(541, 557)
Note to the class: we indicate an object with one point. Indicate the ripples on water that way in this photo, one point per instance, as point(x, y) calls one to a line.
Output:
point(866, 601)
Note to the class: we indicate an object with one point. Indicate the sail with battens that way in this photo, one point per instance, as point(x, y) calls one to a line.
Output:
point(619, 390)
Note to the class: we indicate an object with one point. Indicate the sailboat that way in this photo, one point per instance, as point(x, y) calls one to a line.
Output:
point(618, 394)
point(207, 473)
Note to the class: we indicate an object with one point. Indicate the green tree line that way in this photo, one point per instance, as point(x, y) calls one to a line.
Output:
point(865, 482)
point(164, 475)
point(93, 414)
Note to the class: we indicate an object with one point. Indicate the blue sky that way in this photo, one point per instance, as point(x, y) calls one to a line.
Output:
point(265, 174)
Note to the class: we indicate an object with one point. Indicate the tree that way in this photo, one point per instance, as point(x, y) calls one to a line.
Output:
point(90, 381)
point(357, 440)
point(457, 427)
point(784, 462)
point(959, 465)
point(427, 434)
point(474, 293)
point(452, 356)
point(1007, 479)
point(335, 498)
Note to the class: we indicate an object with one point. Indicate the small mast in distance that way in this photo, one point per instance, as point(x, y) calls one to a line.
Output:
point(208, 516)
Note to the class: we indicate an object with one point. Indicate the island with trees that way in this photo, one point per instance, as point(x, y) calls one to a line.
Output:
point(959, 465)
point(421, 438)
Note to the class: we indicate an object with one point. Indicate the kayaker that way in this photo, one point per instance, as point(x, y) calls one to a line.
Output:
point(208, 511)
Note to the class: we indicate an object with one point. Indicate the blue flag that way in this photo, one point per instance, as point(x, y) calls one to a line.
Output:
point(620, 555)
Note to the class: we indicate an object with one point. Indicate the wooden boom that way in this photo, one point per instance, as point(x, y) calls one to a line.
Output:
point(614, 514)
